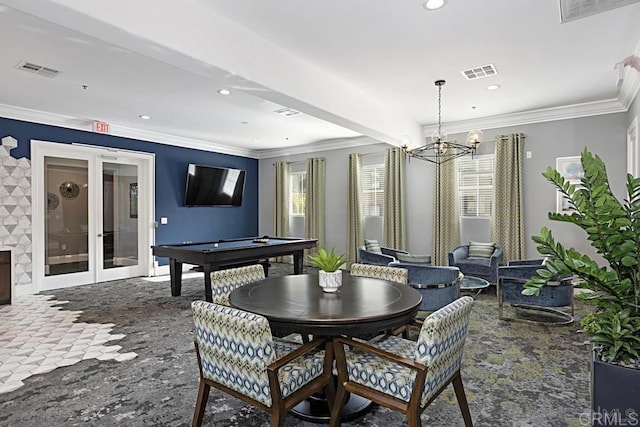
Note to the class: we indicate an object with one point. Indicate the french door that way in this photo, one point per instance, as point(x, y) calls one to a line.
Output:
point(92, 212)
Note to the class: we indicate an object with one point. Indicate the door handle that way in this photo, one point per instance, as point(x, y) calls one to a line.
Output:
point(99, 234)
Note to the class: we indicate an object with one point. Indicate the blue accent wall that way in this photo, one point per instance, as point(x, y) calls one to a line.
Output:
point(195, 224)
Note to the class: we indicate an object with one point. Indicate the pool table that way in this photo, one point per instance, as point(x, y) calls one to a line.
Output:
point(212, 256)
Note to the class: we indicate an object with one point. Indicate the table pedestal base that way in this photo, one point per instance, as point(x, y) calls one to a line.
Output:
point(315, 409)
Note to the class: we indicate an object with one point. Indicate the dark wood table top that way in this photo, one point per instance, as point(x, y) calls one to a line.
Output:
point(298, 304)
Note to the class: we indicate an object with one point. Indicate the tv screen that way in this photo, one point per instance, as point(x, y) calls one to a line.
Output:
point(214, 186)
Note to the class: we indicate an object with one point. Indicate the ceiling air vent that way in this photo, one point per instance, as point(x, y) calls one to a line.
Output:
point(575, 9)
point(37, 69)
point(287, 112)
point(479, 72)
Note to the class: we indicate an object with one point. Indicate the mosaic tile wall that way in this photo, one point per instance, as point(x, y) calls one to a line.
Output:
point(15, 209)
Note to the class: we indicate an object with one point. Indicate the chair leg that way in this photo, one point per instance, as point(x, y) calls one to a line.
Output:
point(201, 403)
point(277, 416)
point(413, 419)
point(462, 400)
point(341, 396)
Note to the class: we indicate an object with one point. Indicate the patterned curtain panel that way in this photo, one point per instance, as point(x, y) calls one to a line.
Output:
point(314, 204)
point(281, 205)
point(395, 235)
point(507, 228)
point(446, 221)
point(355, 234)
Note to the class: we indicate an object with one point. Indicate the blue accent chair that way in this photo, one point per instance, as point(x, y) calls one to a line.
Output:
point(439, 286)
point(388, 255)
point(559, 293)
point(485, 268)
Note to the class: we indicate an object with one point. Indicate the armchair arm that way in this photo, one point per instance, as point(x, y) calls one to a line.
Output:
point(496, 257)
point(364, 346)
point(459, 253)
point(392, 252)
point(366, 257)
point(303, 349)
point(537, 261)
point(520, 273)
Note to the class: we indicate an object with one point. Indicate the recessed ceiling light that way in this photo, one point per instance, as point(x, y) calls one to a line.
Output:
point(493, 87)
point(434, 4)
point(224, 92)
point(144, 117)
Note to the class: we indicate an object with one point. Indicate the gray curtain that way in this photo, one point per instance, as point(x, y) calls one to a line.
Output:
point(395, 235)
point(281, 204)
point(314, 209)
point(507, 228)
point(355, 233)
point(446, 221)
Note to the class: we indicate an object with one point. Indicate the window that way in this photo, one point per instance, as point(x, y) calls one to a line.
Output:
point(475, 186)
point(373, 190)
point(297, 195)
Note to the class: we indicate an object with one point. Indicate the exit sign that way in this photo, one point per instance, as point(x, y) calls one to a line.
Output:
point(101, 127)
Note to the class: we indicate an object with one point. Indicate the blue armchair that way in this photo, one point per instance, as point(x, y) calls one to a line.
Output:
point(439, 286)
point(388, 255)
point(558, 293)
point(485, 268)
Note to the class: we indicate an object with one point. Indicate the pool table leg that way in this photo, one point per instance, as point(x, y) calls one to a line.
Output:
point(175, 272)
point(208, 296)
point(297, 262)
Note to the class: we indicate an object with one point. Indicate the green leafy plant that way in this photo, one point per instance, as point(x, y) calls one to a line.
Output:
point(613, 230)
point(327, 261)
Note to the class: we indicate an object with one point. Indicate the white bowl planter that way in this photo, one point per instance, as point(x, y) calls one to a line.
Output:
point(330, 281)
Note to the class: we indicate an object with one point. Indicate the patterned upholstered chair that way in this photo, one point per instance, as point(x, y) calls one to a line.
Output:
point(237, 354)
point(404, 375)
point(223, 282)
point(393, 274)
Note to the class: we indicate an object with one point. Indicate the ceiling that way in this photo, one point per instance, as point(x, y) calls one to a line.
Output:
point(351, 68)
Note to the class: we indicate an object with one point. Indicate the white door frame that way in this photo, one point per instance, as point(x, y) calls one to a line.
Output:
point(94, 155)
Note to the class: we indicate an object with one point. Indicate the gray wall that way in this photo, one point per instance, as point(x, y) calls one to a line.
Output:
point(634, 111)
point(604, 135)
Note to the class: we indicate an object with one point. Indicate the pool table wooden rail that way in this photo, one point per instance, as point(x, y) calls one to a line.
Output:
point(212, 256)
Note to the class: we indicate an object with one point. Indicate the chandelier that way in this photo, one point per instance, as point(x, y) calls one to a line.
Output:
point(439, 150)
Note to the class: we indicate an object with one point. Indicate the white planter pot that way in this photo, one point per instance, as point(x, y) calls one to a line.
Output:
point(330, 281)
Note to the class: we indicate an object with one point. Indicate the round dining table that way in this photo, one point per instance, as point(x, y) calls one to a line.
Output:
point(362, 307)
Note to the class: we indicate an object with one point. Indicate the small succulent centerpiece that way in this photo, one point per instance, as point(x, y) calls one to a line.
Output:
point(613, 230)
point(329, 263)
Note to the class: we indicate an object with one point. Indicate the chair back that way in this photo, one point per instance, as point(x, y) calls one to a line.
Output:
point(223, 282)
point(393, 274)
point(234, 348)
point(441, 343)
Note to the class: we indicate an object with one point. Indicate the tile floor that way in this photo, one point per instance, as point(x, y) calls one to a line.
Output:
point(37, 335)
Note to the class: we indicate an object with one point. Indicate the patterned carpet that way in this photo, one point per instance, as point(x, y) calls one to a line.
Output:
point(515, 374)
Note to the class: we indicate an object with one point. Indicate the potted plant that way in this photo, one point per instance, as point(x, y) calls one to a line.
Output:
point(613, 230)
point(329, 263)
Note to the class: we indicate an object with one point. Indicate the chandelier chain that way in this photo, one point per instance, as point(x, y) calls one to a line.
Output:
point(439, 112)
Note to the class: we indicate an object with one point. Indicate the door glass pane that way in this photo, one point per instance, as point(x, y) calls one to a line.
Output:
point(120, 215)
point(67, 218)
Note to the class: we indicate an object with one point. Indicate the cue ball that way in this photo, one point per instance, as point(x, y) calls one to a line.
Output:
point(215, 245)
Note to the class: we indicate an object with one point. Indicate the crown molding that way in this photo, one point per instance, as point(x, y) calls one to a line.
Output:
point(586, 109)
point(69, 122)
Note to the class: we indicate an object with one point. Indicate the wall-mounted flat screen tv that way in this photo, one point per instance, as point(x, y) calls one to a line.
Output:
point(214, 186)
